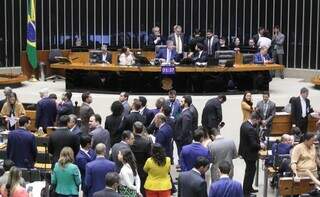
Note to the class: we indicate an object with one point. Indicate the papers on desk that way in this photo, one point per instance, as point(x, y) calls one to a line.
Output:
point(282, 113)
point(12, 120)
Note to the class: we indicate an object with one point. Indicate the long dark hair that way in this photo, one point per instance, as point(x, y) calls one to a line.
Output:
point(128, 157)
point(245, 100)
point(158, 155)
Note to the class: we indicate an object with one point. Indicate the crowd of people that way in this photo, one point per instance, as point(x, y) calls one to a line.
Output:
point(133, 153)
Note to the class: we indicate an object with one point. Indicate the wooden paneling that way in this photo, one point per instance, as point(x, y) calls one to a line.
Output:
point(32, 115)
point(316, 80)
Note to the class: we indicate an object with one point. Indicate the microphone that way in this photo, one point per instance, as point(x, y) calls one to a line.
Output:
point(76, 103)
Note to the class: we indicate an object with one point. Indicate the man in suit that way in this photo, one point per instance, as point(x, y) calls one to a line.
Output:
point(65, 107)
point(212, 43)
point(178, 40)
point(21, 147)
point(113, 122)
point(212, 112)
point(84, 156)
point(249, 147)
point(196, 38)
point(145, 112)
point(267, 111)
point(123, 98)
point(278, 39)
point(156, 38)
point(85, 112)
point(127, 140)
point(167, 55)
point(112, 183)
point(73, 126)
point(221, 149)
point(191, 183)
point(262, 57)
point(194, 113)
point(97, 169)
point(300, 109)
point(191, 152)
point(98, 133)
point(225, 186)
point(60, 138)
point(106, 57)
point(199, 56)
point(257, 36)
point(164, 134)
point(174, 103)
point(183, 125)
point(46, 113)
point(133, 116)
point(141, 149)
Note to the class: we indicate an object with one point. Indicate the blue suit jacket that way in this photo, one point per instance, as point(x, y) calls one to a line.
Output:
point(95, 174)
point(22, 148)
point(190, 153)
point(46, 113)
point(175, 108)
point(81, 161)
point(65, 108)
point(164, 137)
point(162, 53)
point(258, 58)
point(226, 187)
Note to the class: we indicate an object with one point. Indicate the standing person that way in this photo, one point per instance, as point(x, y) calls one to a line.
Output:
point(97, 169)
point(278, 39)
point(246, 105)
point(194, 112)
point(113, 122)
point(225, 186)
point(267, 111)
point(157, 167)
point(178, 40)
point(164, 134)
point(112, 182)
point(21, 147)
point(300, 109)
point(13, 187)
point(133, 116)
point(191, 152)
point(123, 98)
point(145, 112)
point(46, 111)
point(191, 183)
point(212, 112)
point(12, 109)
point(66, 175)
point(73, 125)
point(129, 177)
point(248, 149)
point(257, 36)
point(65, 107)
point(85, 112)
point(174, 103)
point(212, 43)
point(98, 133)
point(221, 149)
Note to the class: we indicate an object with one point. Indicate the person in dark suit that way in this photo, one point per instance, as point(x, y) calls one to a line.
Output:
point(225, 186)
point(248, 148)
point(66, 106)
point(199, 56)
point(127, 140)
point(174, 103)
point(133, 116)
point(141, 149)
point(168, 54)
point(98, 133)
point(212, 43)
point(262, 57)
point(164, 134)
point(73, 125)
point(257, 36)
point(46, 112)
point(21, 147)
point(123, 98)
point(156, 38)
point(105, 57)
point(97, 169)
point(84, 156)
point(300, 109)
point(212, 112)
point(191, 183)
point(191, 152)
point(267, 111)
point(178, 40)
point(85, 112)
point(113, 122)
point(194, 112)
point(183, 125)
point(60, 138)
point(112, 183)
point(145, 112)
point(195, 39)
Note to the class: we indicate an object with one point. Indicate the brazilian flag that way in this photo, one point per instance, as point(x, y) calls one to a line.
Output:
point(31, 35)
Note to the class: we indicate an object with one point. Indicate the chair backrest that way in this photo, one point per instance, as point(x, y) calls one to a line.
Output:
point(225, 55)
point(247, 58)
point(31, 175)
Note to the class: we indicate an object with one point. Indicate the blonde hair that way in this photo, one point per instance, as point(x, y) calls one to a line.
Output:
point(66, 156)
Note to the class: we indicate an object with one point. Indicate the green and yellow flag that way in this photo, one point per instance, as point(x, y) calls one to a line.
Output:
point(31, 35)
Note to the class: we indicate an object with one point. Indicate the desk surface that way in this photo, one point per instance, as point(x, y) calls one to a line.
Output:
point(185, 69)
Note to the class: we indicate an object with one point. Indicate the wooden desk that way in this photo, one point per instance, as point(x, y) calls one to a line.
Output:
point(289, 187)
point(316, 81)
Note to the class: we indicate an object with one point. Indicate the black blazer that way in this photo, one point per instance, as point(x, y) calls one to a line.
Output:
point(108, 57)
point(296, 110)
point(203, 57)
point(61, 138)
point(211, 114)
point(131, 119)
point(215, 45)
point(85, 112)
point(191, 184)
point(194, 112)
point(152, 38)
point(112, 124)
point(148, 116)
point(249, 141)
point(106, 192)
point(183, 127)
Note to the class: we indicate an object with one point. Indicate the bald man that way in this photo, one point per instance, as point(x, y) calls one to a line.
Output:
point(284, 146)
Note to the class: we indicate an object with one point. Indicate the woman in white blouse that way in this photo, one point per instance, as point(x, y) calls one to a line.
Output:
point(126, 57)
point(129, 178)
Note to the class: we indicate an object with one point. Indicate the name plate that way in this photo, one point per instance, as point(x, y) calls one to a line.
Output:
point(168, 70)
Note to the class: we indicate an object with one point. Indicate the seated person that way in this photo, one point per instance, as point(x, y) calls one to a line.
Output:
point(284, 146)
point(168, 54)
point(79, 47)
point(156, 38)
point(235, 45)
point(199, 55)
point(223, 46)
point(106, 57)
point(251, 48)
point(126, 57)
point(195, 39)
point(262, 57)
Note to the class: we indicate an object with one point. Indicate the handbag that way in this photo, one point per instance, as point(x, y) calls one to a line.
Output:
point(126, 191)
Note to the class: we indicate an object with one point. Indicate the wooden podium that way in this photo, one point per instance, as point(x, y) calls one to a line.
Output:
point(288, 187)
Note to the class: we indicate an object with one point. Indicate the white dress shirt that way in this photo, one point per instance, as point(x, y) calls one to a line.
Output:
point(303, 107)
point(126, 60)
point(178, 43)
